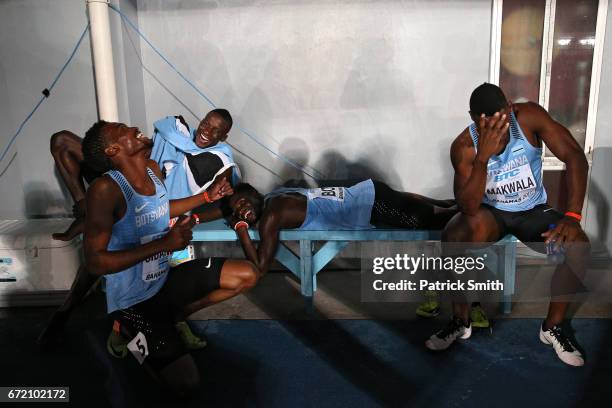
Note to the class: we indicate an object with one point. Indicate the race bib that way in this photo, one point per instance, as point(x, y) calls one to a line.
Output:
point(328, 193)
point(512, 183)
point(138, 347)
point(155, 266)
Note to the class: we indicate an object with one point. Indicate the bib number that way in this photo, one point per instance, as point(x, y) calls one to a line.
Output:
point(327, 193)
point(138, 347)
point(155, 266)
point(509, 186)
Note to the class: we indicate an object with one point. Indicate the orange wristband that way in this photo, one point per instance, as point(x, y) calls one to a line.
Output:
point(196, 218)
point(241, 224)
point(574, 215)
point(206, 197)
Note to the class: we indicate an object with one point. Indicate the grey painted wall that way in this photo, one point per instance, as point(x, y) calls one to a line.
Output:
point(37, 37)
point(350, 88)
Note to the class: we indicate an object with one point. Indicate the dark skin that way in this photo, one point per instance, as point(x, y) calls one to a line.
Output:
point(281, 212)
point(106, 204)
point(68, 156)
point(476, 223)
point(284, 211)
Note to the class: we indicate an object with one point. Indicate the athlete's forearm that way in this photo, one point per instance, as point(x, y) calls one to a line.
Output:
point(250, 252)
point(577, 172)
point(106, 262)
point(182, 205)
point(471, 193)
point(210, 214)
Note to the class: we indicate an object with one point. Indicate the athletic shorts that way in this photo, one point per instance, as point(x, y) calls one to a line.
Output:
point(156, 316)
point(527, 226)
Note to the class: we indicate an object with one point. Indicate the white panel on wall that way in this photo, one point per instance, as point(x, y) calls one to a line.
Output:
point(37, 38)
point(350, 88)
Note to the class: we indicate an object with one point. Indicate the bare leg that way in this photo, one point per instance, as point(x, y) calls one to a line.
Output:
point(81, 286)
point(237, 276)
point(479, 228)
point(66, 151)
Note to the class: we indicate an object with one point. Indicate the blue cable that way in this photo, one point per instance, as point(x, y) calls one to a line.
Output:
point(46, 92)
point(203, 95)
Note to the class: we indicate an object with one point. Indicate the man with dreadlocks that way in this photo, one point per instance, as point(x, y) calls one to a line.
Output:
point(127, 240)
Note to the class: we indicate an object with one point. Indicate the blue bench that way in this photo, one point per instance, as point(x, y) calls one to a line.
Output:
point(308, 263)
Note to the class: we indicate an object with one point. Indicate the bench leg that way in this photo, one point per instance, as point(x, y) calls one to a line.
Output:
point(308, 282)
point(509, 274)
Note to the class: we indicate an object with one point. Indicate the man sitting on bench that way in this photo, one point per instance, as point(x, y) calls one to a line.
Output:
point(361, 206)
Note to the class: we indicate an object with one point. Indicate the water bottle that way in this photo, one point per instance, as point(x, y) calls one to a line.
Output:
point(554, 255)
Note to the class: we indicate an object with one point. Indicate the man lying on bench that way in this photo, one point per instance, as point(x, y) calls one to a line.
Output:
point(365, 205)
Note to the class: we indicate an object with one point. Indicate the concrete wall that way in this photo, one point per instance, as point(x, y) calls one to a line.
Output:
point(37, 38)
point(350, 88)
point(598, 209)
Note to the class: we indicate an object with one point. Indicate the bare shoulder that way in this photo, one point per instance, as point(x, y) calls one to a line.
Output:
point(103, 191)
point(529, 111)
point(462, 143)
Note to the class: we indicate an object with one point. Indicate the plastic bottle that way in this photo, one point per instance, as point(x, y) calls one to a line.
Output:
point(554, 255)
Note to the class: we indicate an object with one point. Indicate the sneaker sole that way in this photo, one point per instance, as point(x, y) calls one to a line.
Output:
point(578, 363)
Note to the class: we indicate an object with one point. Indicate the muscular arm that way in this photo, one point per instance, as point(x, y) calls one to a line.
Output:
point(269, 228)
point(105, 203)
point(470, 174)
point(561, 143)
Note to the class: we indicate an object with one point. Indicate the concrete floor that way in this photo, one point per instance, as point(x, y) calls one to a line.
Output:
point(277, 296)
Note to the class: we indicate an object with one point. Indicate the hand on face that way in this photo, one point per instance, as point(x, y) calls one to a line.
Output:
point(491, 134)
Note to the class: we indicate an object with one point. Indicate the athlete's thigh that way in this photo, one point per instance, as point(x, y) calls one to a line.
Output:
point(482, 227)
point(237, 272)
point(530, 226)
point(192, 280)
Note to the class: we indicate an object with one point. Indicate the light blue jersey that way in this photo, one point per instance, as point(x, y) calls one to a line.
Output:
point(335, 208)
point(146, 218)
point(514, 178)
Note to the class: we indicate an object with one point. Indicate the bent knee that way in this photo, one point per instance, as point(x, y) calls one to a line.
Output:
point(480, 227)
point(249, 275)
point(59, 139)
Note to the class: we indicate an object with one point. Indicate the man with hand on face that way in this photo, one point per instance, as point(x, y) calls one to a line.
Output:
point(127, 240)
point(498, 187)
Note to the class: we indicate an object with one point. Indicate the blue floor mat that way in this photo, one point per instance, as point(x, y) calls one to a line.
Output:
point(327, 363)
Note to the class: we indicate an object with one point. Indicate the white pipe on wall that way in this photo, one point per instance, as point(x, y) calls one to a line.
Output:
point(102, 52)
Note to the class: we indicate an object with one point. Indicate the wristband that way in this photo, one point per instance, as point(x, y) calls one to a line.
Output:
point(196, 218)
point(574, 215)
point(206, 197)
point(241, 224)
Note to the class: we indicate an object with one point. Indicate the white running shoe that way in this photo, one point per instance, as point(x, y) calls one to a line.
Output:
point(445, 337)
point(564, 348)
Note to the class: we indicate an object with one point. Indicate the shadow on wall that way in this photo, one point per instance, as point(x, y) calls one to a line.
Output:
point(41, 202)
point(341, 171)
point(600, 194)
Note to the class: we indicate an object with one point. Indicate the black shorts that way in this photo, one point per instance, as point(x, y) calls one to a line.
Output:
point(156, 316)
point(527, 226)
